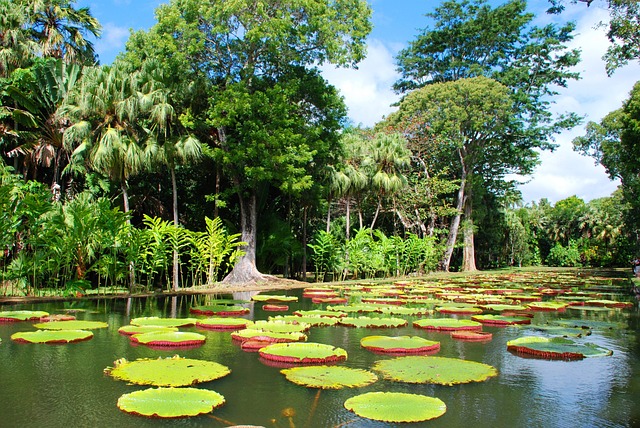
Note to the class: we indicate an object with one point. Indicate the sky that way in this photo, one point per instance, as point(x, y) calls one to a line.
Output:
point(369, 97)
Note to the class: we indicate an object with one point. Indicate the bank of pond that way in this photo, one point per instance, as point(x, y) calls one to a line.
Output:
point(505, 349)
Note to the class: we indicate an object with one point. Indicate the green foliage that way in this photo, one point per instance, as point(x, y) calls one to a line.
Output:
point(396, 407)
point(170, 402)
point(568, 256)
point(325, 254)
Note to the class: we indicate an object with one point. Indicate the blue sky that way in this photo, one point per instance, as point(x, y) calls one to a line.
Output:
point(367, 90)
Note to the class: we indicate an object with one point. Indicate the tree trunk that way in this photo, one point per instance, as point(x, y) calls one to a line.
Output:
point(125, 202)
point(329, 214)
point(468, 251)
point(348, 226)
point(455, 222)
point(174, 189)
point(245, 269)
point(375, 216)
point(305, 210)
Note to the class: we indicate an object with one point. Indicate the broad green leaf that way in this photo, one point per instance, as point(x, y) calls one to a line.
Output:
point(175, 338)
point(556, 348)
point(172, 371)
point(52, 336)
point(71, 325)
point(164, 322)
point(220, 310)
point(273, 298)
point(438, 370)
point(399, 344)
point(329, 377)
point(373, 322)
point(170, 402)
point(139, 329)
point(447, 324)
point(305, 353)
point(224, 323)
point(396, 407)
point(280, 326)
point(22, 315)
point(500, 319)
point(268, 336)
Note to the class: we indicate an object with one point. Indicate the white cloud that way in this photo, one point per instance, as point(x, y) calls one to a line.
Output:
point(367, 90)
point(111, 43)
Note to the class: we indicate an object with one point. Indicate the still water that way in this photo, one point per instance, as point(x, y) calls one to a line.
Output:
point(64, 385)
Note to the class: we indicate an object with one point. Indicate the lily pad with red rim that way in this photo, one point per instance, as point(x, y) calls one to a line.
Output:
point(268, 336)
point(51, 336)
point(273, 298)
point(458, 310)
point(13, 316)
point(472, 336)
point(436, 370)
point(396, 407)
point(329, 377)
point(280, 326)
point(447, 324)
point(223, 323)
point(366, 322)
point(500, 320)
point(555, 348)
point(275, 308)
point(168, 339)
point(71, 325)
point(303, 353)
point(320, 313)
point(164, 322)
point(220, 310)
point(170, 402)
point(310, 320)
point(128, 330)
point(399, 344)
point(172, 371)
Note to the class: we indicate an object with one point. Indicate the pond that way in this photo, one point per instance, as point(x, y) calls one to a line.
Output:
point(64, 385)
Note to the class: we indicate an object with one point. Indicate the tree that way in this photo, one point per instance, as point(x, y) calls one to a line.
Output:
point(266, 102)
point(471, 39)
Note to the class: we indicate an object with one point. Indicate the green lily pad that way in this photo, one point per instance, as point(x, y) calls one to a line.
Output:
point(373, 322)
point(396, 407)
point(312, 321)
point(500, 320)
point(329, 377)
point(139, 329)
point(170, 402)
point(71, 325)
point(172, 371)
point(558, 330)
point(51, 336)
point(219, 310)
point(460, 310)
point(280, 326)
point(10, 316)
point(555, 348)
point(548, 306)
point(359, 308)
point(320, 313)
point(447, 324)
point(223, 323)
point(175, 338)
point(268, 336)
point(592, 324)
point(399, 344)
point(164, 322)
point(401, 310)
point(503, 307)
point(273, 298)
point(438, 370)
point(303, 353)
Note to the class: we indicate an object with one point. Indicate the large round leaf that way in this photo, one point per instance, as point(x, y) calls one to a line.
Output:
point(447, 324)
point(164, 322)
point(71, 325)
point(367, 322)
point(329, 377)
point(555, 348)
point(281, 326)
point(223, 323)
point(51, 336)
point(173, 371)
point(304, 353)
point(399, 344)
point(273, 298)
point(219, 310)
point(312, 321)
point(175, 338)
point(170, 402)
point(128, 330)
point(268, 336)
point(500, 320)
point(396, 406)
point(9, 316)
point(438, 370)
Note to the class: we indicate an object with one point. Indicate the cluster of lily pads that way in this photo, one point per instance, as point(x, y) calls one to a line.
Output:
point(460, 308)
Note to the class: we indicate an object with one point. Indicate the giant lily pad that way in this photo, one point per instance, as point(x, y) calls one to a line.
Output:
point(223, 323)
point(447, 324)
point(395, 310)
point(128, 330)
point(273, 298)
point(329, 377)
point(71, 325)
point(555, 348)
point(548, 306)
point(373, 322)
point(164, 322)
point(399, 344)
point(280, 326)
point(268, 336)
point(170, 402)
point(176, 338)
point(51, 336)
point(303, 353)
point(500, 320)
point(172, 371)
point(459, 310)
point(310, 320)
point(396, 407)
point(320, 313)
point(11, 316)
point(438, 370)
point(219, 310)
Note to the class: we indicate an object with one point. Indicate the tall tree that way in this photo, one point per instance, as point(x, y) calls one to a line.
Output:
point(470, 39)
point(258, 57)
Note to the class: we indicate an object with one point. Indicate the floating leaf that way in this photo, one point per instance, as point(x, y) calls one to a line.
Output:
point(447, 324)
point(172, 371)
point(396, 407)
point(164, 322)
point(354, 308)
point(373, 322)
point(51, 336)
point(170, 402)
point(399, 344)
point(310, 320)
point(223, 323)
point(555, 348)
point(329, 377)
point(273, 298)
point(438, 370)
point(176, 338)
point(609, 303)
point(139, 329)
point(459, 310)
point(320, 313)
point(500, 320)
point(592, 324)
point(280, 326)
point(71, 325)
point(275, 308)
point(472, 336)
point(548, 306)
point(416, 312)
point(558, 330)
point(219, 310)
point(303, 353)
point(268, 336)
point(503, 308)
point(10, 316)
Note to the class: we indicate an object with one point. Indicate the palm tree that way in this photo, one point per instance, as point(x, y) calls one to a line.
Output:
point(16, 47)
point(388, 156)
